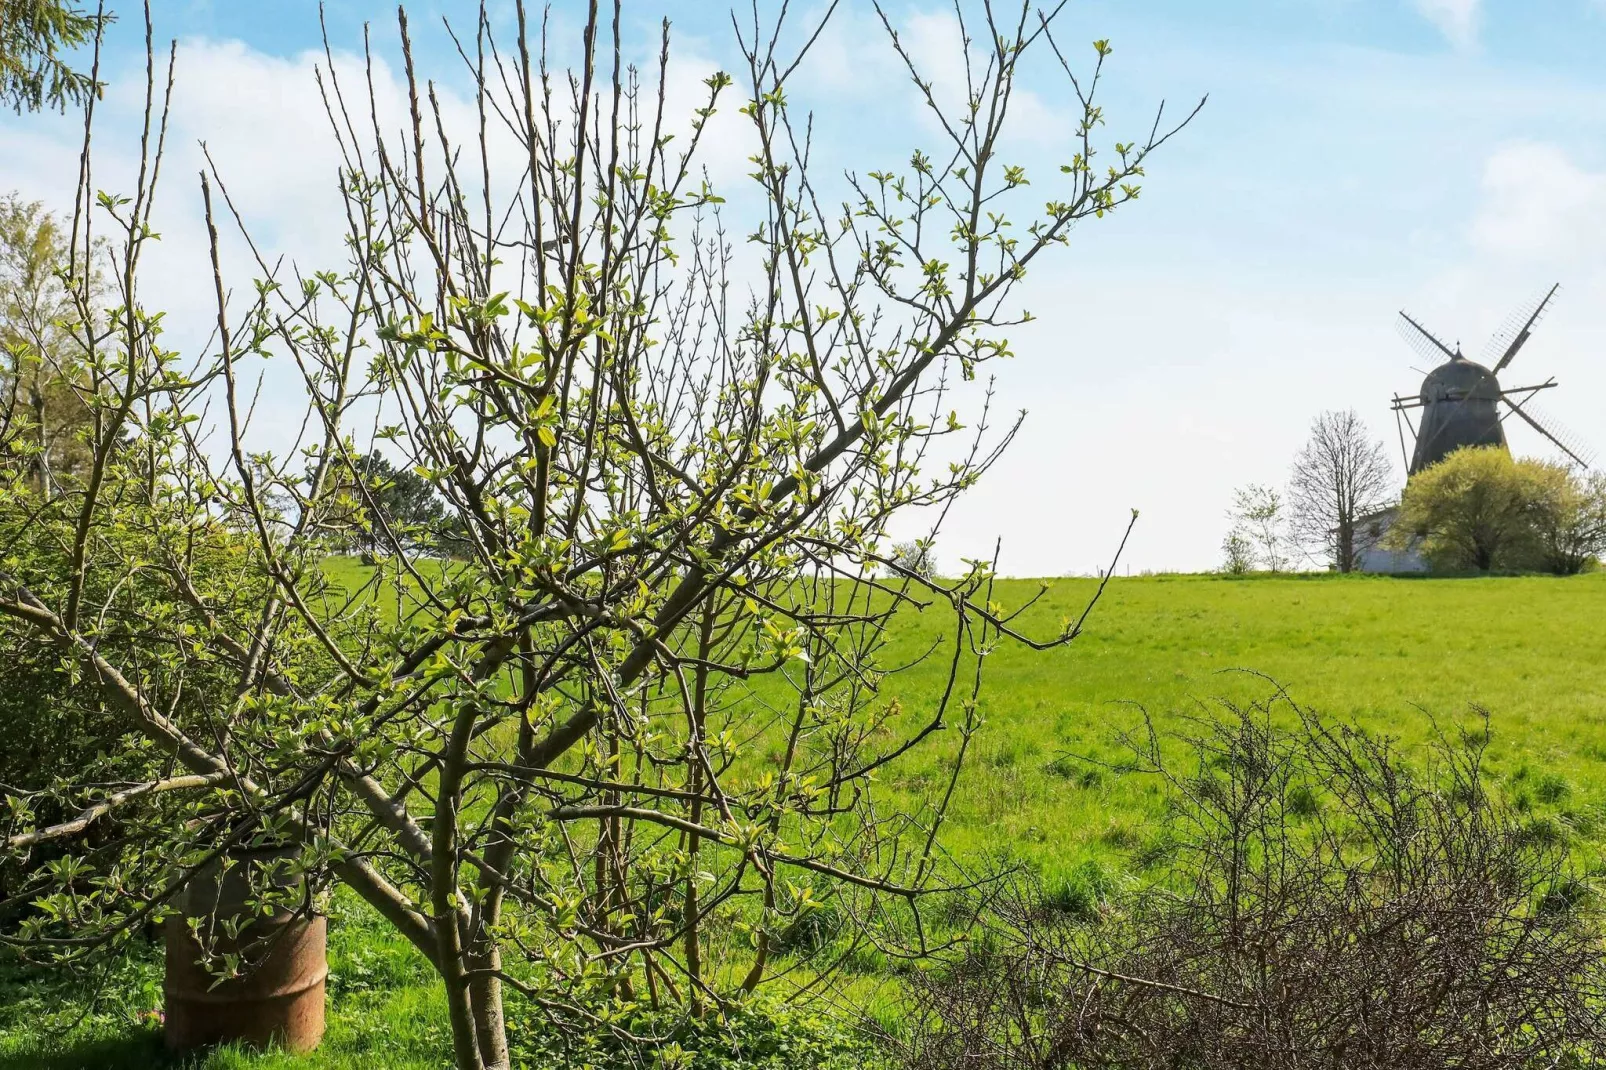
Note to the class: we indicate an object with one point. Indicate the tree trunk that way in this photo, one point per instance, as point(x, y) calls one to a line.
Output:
point(443, 896)
point(490, 1024)
point(693, 917)
point(460, 1009)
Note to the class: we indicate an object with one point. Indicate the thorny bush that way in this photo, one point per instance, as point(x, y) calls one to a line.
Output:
point(1327, 903)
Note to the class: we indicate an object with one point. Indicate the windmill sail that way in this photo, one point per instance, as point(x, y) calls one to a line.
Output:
point(1422, 340)
point(1514, 333)
point(1460, 400)
point(1563, 438)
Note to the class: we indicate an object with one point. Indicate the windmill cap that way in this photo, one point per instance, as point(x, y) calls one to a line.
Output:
point(1457, 380)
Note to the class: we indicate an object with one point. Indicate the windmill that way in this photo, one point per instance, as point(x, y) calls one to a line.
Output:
point(1461, 400)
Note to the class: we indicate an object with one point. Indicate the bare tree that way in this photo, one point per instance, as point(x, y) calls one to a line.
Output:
point(644, 705)
point(1340, 476)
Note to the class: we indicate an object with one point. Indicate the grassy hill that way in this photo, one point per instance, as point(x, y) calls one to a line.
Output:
point(1394, 654)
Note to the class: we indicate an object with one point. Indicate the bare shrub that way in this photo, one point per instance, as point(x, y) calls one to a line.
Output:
point(1324, 905)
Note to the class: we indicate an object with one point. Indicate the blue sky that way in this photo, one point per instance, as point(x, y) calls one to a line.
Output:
point(1356, 157)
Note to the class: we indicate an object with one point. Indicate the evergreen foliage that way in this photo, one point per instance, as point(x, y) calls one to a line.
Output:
point(35, 35)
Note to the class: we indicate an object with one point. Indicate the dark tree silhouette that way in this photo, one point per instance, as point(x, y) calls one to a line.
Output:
point(400, 499)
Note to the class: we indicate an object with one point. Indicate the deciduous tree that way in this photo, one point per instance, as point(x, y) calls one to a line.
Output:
point(1472, 510)
point(386, 504)
point(1340, 475)
point(1237, 553)
point(913, 556)
point(1567, 511)
point(43, 417)
point(638, 728)
point(1260, 520)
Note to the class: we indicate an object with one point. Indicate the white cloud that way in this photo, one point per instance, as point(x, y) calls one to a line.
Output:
point(852, 55)
point(1538, 204)
point(1456, 19)
point(1537, 221)
point(264, 123)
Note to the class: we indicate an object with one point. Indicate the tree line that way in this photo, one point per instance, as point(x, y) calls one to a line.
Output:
point(1340, 478)
point(1479, 509)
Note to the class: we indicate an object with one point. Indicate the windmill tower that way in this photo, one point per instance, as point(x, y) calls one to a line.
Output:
point(1462, 402)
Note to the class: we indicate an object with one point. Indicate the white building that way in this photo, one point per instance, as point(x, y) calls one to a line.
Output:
point(1374, 556)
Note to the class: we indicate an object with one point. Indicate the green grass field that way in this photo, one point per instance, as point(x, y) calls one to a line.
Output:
point(1397, 655)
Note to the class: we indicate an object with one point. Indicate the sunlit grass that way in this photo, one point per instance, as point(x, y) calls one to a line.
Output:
point(1407, 657)
point(385, 1010)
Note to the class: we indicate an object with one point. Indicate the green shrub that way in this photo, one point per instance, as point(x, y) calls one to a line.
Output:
point(811, 930)
point(1479, 509)
point(58, 728)
point(41, 735)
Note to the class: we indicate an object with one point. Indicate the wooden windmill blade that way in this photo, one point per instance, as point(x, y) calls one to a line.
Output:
point(1514, 333)
point(1422, 340)
point(1563, 438)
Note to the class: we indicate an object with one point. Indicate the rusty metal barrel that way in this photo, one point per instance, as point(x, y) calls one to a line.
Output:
point(277, 1001)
